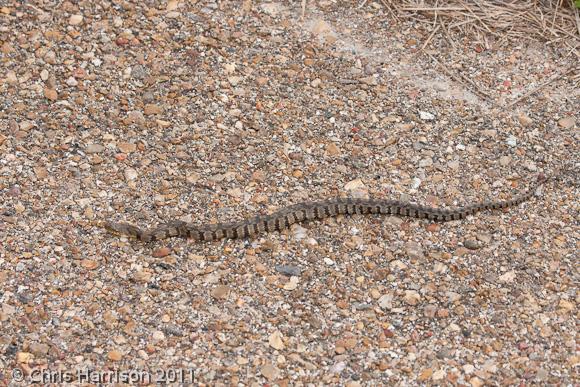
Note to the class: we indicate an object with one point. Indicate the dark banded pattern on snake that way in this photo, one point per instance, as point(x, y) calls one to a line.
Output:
point(284, 218)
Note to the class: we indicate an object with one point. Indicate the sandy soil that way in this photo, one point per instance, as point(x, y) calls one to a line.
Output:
point(202, 111)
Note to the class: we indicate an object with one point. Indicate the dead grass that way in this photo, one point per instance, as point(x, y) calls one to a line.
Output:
point(549, 21)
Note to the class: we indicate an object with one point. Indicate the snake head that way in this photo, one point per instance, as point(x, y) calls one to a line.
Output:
point(125, 229)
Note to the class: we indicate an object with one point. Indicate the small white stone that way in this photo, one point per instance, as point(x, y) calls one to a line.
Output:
point(426, 116)
point(338, 367)
point(512, 141)
point(439, 374)
point(328, 261)
point(158, 336)
point(130, 174)
point(415, 183)
point(386, 301)
point(299, 232)
point(291, 284)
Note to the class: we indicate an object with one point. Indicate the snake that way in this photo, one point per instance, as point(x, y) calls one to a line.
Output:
point(307, 211)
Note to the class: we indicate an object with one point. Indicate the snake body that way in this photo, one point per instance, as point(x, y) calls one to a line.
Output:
point(284, 218)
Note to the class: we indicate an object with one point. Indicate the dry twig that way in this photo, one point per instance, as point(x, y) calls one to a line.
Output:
point(541, 86)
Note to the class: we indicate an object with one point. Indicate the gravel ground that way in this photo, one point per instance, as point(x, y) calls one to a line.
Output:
point(205, 112)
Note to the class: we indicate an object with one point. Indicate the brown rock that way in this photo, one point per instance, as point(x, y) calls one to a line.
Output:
point(332, 149)
point(23, 357)
point(50, 94)
point(258, 176)
point(161, 252)
point(567, 122)
point(151, 109)
point(39, 349)
point(426, 374)
point(412, 297)
point(89, 264)
point(220, 292)
point(115, 355)
point(270, 371)
point(126, 147)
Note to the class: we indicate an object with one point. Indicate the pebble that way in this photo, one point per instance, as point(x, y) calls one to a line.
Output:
point(127, 147)
point(426, 116)
point(115, 355)
point(26, 125)
point(270, 372)
point(94, 148)
point(299, 232)
point(531, 166)
point(567, 122)
point(292, 284)
point(471, 244)
point(39, 349)
point(276, 341)
point(507, 277)
point(23, 357)
point(414, 250)
point(158, 336)
point(452, 297)
point(354, 185)
point(89, 264)
point(430, 310)
point(289, 270)
point(71, 81)
point(130, 174)
point(371, 80)
point(75, 20)
point(386, 301)
point(412, 297)
point(11, 77)
point(512, 141)
point(505, 161)
point(454, 165)
point(483, 237)
point(50, 94)
point(525, 120)
point(439, 375)
point(151, 109)
point(161, 252)
point(337, 368)
point(220, 292)
point(333, 149)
